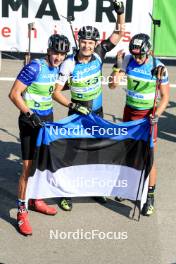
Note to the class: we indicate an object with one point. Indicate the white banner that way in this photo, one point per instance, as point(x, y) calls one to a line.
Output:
point(17, 14)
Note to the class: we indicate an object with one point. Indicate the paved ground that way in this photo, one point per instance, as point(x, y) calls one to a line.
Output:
point(152, 240)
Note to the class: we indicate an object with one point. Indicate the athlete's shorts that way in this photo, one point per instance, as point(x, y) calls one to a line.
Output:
point(28, 135)
point(131, 114)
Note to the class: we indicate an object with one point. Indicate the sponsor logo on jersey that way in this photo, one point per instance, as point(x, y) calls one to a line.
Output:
point(138, 70)
point(87, 70)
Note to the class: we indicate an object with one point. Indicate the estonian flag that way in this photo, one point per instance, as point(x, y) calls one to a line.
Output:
point(89, 156)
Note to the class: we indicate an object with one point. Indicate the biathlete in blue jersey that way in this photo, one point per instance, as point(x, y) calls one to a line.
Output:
point(83, 73)
point(32, 94)
point(143, 70)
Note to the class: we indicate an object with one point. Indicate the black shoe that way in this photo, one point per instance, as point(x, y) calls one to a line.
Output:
point(148, 208)
point(119, 199)
point(66, 204)
point(100, 199)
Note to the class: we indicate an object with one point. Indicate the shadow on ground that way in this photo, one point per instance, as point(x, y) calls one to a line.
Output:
point(166, 125)
point(10, 166)
point(120, 208)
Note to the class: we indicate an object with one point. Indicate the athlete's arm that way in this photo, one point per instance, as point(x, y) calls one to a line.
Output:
point(109, 43)
point(161, 73)
point(164, 93)
point(15, 96)
point(59, 97)
point(26, 76)
point(64, 75)
point(119, 30)
point(119, 70)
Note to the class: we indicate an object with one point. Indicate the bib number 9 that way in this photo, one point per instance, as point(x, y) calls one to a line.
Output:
point(51, 90)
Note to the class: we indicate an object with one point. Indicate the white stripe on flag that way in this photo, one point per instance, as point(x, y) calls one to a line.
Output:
point(86, 180)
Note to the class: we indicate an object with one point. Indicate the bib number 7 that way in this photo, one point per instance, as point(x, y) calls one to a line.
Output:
point(136, 84)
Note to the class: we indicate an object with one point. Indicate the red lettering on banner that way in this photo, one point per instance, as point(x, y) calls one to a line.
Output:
point(33, 33)
point(76, 33)
point(56, 29)
point(126, 37)
point(104, 36)
point(6, 32)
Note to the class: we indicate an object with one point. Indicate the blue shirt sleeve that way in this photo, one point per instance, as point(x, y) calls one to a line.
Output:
point(29, 73)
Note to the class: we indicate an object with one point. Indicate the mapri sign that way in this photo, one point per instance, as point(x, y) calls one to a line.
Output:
point(47, 15)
